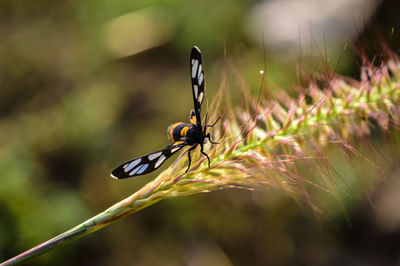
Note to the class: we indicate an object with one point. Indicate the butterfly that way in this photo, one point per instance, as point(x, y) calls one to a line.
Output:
point(181, 134)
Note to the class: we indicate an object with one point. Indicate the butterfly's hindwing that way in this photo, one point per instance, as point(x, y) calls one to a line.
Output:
point(197, 76)
point(145, 164)
point(192, 117)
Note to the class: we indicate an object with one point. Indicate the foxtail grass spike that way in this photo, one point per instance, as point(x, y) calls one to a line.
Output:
point(262, 144)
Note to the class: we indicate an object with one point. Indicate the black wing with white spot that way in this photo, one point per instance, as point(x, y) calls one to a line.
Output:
point(197, 76)
point(145, 164)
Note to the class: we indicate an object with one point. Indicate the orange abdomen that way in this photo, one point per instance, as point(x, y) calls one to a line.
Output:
point(177, 131)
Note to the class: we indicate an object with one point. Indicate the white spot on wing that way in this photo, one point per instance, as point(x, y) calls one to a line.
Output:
point(196, 90)
point(135, 170)
point(201, 76)
point(200, 71)
point(154, 155)
point(160, 161)
point(200, 99)
point(175, 149)
point(143, 168)
point(194, 68)
point(132, 164)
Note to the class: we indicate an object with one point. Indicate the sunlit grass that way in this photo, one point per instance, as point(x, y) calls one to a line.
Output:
point(279, 142)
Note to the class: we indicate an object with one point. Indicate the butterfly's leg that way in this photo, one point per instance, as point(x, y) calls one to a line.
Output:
point(208, 135)
point(213, 124)
point(201, 150)
point(209, 138)
point(190, 159)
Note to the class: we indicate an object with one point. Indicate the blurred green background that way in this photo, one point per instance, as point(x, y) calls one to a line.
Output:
point(86, 85)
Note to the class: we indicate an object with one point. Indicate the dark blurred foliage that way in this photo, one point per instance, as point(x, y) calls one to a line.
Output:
point(71, 109)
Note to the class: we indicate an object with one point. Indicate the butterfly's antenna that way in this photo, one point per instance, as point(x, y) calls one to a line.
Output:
point(205, 122)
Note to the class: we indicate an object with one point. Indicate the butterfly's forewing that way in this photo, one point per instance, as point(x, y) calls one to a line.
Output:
point(150, 162)
point(145, 164)
point(197, 76)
